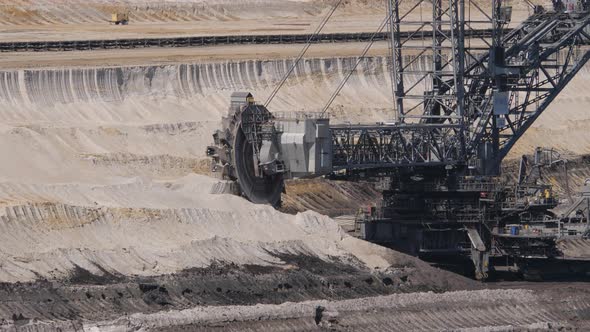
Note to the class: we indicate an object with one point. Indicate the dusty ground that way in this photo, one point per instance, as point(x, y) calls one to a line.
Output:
point(71, 20)
point(23, 20)
point(506, 310)
point(281, 25)
point(107, 222)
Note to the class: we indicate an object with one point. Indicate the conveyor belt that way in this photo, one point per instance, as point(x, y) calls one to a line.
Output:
point(86, 45)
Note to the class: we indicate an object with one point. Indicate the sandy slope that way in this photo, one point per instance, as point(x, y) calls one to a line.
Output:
point(114, 110)
point(166, 227)
point(100, 188)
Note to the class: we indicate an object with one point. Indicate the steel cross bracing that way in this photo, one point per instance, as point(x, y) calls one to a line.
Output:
point(446, 91)
point(387, 146)
point(541, 57)
point(421, 70)
point(428, 87)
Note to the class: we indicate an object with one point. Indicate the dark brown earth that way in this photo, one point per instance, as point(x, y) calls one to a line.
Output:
point(308, 294)
point(89, 298)
point(331, 198)
point(552, 307)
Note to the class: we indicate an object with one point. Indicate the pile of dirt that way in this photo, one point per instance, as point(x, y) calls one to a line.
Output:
point(509, 310)
point(484, 310)
point(140, 237)
point(332, 198)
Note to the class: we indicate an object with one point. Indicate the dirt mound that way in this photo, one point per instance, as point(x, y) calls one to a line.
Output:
point(508, 310)
point(144, 239)
point(332, 198)
point(575, 248)
point(483, 310)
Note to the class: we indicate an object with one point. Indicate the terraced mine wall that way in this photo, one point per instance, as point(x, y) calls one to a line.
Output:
point(102, 117)
point(200, 92)
point(206, 82)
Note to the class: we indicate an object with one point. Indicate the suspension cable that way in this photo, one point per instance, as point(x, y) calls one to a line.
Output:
point(353, 69)
point(530, 4)
point(317, 31)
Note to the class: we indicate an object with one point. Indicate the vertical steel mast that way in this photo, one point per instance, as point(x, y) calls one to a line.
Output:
point(498, 54)
point(467, 101)
point(396, 58)
point(421, 87)
point(428, 72)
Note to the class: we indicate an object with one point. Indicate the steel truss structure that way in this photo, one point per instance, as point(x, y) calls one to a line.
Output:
point(465, 105)
point(460, 106)
point(541, 57)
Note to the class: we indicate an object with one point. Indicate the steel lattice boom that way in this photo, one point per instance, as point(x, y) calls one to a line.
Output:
point(470, 103)
point(459, 103)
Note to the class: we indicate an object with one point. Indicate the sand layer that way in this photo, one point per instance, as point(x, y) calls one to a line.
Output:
point(24, 20)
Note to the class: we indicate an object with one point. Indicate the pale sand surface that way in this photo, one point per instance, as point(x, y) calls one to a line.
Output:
point(82, 20)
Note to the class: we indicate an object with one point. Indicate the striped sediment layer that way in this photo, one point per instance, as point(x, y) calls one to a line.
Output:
point(200, 91)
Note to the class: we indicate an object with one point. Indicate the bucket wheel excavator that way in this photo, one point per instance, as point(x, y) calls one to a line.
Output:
point(239, 148)
point(454, 121)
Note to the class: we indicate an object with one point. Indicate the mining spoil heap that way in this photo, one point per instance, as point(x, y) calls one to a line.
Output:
point(106, 216)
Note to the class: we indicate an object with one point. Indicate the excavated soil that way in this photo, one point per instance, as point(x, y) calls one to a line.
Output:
point(88, 297)
point(331, 198)
point(106, 225)
point(508, 310)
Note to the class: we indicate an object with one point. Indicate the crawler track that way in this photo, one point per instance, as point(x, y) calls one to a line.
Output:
point(200, 41)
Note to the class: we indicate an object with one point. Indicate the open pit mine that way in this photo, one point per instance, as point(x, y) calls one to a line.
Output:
point(294, 165)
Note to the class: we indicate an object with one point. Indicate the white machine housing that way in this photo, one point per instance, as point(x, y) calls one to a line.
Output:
point(306, 145)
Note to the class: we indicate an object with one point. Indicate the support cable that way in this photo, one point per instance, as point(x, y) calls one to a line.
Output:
point(530, 4)
point(308, 44)
point(567, 183)
point(392, 58)
point(353, 69)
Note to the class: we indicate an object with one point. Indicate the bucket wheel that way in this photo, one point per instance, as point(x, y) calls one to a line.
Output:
point(239, 162)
